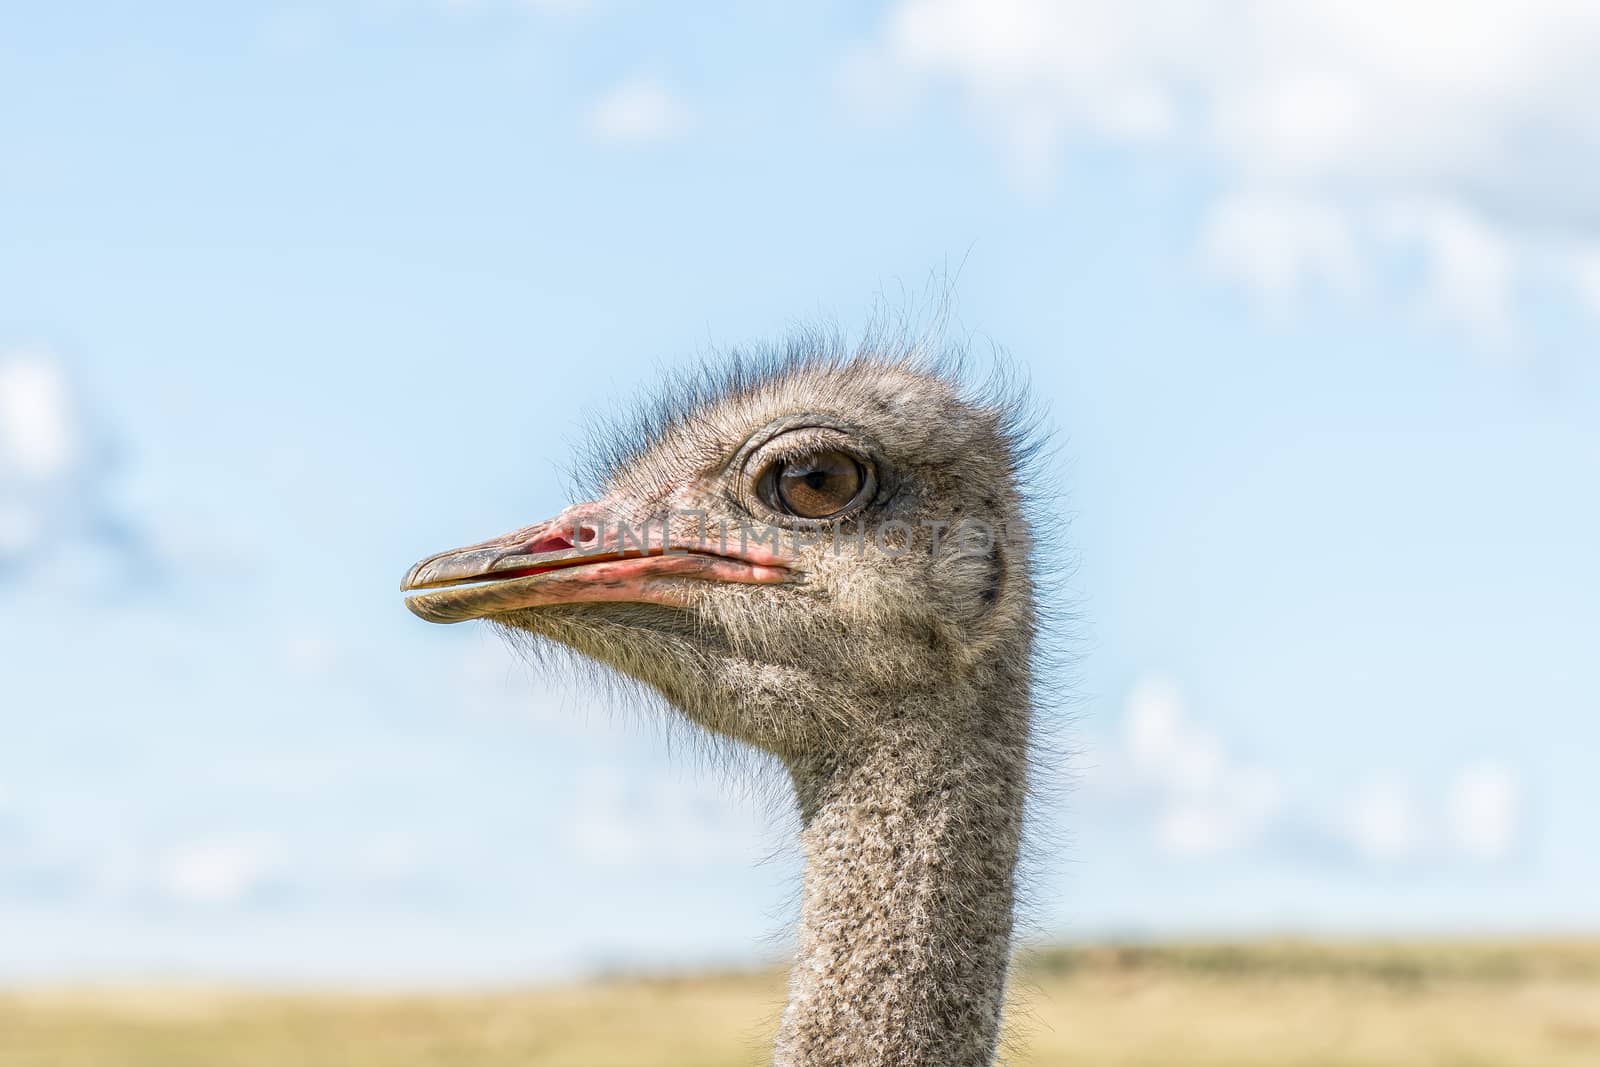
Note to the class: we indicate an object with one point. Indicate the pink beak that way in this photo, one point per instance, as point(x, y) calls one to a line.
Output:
point(585, 556)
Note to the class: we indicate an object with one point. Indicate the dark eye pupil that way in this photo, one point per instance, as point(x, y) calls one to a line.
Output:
point(820, 485)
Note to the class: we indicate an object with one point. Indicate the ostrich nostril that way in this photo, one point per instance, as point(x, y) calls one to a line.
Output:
point(550, 542)
point(587, 534)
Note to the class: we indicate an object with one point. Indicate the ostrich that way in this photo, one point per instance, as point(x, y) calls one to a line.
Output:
point(823, 553)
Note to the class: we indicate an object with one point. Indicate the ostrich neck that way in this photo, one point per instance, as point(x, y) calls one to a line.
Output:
point(910, 846)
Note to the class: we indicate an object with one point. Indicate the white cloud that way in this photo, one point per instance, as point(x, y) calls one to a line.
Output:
point(1154, 724)
point(39, 434)
point(1478, 819)
point(1195, 797)
point(1485, 810)
point(1474, 265)
point(42, 450)
point(1384, 821)
point(1207, 800)
point(639, 111)
point(55, 491)
point(1278, 244)
point(218, 871)
point(1475, 115)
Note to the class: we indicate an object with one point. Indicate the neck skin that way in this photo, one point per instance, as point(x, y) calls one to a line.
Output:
point(905, 931)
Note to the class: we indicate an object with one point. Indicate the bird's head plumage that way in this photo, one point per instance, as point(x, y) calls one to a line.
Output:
point(783, 545)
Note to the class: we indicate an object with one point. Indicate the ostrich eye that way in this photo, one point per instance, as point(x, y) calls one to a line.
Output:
point(820, 485)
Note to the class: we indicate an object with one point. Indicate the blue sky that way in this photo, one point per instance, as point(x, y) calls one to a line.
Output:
point(292, 295)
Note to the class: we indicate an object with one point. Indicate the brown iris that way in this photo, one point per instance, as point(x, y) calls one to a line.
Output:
point(819, 485)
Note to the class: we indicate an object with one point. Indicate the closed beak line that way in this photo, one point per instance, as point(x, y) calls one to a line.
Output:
point(540, 566)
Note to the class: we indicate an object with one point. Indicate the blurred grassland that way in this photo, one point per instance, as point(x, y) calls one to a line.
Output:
point(1227, 1005)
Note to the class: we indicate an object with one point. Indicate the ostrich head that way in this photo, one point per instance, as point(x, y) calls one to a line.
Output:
point(785, 553)
point(826, 557)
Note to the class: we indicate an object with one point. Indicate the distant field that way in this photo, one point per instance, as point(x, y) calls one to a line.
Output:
point(1217, 1005)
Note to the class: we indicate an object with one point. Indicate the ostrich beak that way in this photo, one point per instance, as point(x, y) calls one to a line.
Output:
point(583, 556)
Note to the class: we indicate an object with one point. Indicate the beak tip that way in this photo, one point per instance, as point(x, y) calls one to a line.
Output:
point(413, 578)
point(426, 609)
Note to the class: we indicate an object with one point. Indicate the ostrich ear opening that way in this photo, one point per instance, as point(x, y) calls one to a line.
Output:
point(578, 557)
